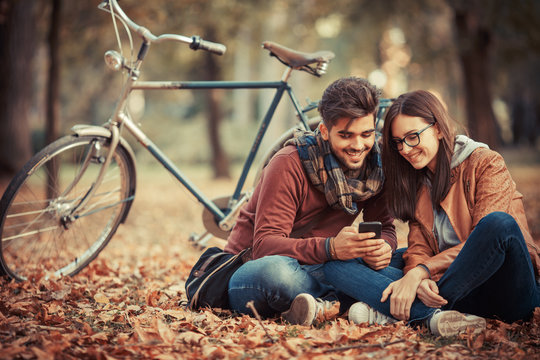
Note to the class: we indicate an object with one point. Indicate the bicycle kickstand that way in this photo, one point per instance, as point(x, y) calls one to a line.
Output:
point(200, 240)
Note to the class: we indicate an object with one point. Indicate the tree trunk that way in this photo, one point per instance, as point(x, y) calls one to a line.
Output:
point(17, 39)
point(474, 44)
point(220, 160)
point(53, 90)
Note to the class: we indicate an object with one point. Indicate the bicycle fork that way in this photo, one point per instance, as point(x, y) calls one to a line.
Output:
point(92, 155)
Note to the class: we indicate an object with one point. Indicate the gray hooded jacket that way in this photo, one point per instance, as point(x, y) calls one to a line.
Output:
point(442, 228)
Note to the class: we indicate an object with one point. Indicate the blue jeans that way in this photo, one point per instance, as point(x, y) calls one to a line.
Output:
point(272, 283)
point(492, 276)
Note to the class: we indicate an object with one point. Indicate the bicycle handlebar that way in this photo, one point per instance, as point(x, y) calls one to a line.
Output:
point(195, 42)
point(198, 43)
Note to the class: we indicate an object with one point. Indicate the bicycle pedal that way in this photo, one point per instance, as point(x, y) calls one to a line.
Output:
point(200, 241)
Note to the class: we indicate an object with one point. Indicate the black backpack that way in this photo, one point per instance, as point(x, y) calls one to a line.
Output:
point(208, 282)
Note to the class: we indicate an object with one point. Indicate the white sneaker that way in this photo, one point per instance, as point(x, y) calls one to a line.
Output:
point(360, 313)
point(451, 322)
point(306, 310)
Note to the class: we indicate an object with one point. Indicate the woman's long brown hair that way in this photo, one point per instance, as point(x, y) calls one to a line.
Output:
point(402, 180)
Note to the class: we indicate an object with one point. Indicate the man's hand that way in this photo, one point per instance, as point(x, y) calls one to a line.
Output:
point(380, 258)
point(349, 244)
point(428, 293)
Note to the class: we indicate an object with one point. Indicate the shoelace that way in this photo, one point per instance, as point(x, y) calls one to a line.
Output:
point(326, 309)
point(376, 317)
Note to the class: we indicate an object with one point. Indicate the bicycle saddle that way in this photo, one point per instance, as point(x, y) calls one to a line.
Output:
point(297, 59)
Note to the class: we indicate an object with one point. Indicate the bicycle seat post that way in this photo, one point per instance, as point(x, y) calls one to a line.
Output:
point(287, 74)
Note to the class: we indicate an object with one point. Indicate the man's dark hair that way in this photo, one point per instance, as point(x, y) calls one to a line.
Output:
point(350, 97)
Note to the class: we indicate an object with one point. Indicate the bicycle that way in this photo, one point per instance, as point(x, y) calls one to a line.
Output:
point(66, 203)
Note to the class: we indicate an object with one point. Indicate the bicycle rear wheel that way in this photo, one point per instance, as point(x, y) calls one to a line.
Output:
point(209, 220)
point(278, 144)
point(44, 231)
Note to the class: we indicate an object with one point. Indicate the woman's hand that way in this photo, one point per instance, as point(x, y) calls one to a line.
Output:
point(403, 292)
point(428, 293)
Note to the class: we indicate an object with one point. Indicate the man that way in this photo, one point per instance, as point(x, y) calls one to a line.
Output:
point(301, 211)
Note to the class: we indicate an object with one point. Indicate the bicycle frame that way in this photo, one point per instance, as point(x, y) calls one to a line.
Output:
point(121, 119)
point(97, 165)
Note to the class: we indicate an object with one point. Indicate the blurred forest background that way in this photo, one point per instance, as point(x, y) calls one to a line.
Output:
point(481, 57)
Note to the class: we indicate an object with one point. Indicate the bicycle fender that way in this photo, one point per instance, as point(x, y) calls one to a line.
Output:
point(89, 130)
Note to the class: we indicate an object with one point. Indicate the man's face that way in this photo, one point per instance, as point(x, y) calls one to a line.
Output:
point(351, 140)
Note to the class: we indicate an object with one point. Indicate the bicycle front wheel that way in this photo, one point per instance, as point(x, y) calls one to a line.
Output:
point(53, 222)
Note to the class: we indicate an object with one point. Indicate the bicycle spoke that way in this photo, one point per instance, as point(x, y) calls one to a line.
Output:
point(24, 224)
point(103, 197)
point(24, 214)
point(44, 235)
point(29, 233)
point(106, 207)
point(30, 224)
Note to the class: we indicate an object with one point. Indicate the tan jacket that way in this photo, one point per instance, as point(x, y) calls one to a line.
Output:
point(479, 186)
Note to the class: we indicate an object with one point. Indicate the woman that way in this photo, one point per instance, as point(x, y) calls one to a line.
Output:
point(469, 247)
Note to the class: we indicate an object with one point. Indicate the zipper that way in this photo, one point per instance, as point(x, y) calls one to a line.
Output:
point(202, 270)
point(196, 295)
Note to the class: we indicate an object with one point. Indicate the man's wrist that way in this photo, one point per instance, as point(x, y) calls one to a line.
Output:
point(327, 247)
point(330, 249)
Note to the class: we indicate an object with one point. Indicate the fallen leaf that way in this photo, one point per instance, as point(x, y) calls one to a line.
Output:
point(164, 331)
point(101, 298)
point(190, 337)
point(126, 305)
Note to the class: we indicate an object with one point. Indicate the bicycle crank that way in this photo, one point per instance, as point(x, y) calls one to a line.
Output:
point(209, 221)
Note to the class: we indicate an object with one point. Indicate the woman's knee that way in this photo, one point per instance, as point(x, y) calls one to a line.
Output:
point(500, 223)
point(501, 230)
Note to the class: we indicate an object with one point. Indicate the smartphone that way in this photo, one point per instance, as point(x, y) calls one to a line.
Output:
point(371, 226)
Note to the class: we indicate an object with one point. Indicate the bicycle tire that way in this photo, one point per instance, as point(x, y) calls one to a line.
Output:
point(209, 220)
point(40, 234)
point(278, 144)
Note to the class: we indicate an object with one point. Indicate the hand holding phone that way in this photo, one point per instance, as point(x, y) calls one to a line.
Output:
point(371, 226)
point(379, 257)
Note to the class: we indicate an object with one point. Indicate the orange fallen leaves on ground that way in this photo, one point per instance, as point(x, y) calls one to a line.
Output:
point(128, 303)
point(103, 316)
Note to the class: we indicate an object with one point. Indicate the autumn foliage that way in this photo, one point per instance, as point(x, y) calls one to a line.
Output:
point(128, 304)
point(110, 313)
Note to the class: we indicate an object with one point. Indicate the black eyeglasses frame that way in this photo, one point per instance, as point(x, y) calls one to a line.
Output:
point(397, 144)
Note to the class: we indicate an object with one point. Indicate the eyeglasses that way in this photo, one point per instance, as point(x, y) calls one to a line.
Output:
point(412, 139)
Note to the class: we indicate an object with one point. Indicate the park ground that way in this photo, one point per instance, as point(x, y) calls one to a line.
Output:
point(126, 304)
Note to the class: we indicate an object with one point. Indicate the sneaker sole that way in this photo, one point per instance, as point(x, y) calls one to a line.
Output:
point(453, 323)
point(301, 312)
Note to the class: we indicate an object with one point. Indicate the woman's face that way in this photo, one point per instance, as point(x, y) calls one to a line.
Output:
point(425, 153)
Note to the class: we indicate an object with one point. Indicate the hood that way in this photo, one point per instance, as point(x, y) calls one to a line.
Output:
point(463, 147)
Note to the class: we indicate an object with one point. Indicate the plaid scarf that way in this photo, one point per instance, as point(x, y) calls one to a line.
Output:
point(341, 188)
